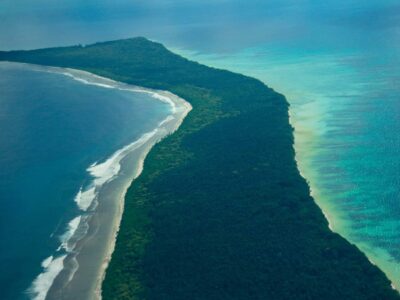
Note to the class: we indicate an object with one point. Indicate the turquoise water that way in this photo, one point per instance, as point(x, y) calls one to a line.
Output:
point(338, 63)
point(345, 108)
point(52, 129)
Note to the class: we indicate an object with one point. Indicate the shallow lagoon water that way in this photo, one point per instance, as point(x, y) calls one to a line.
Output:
point(345, 108)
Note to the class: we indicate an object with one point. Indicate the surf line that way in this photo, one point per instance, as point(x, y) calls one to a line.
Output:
point(101, 174)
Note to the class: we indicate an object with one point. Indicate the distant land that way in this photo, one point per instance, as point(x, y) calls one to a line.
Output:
point(220, 210)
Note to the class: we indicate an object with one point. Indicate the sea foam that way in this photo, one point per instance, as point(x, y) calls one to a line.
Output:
point(106, 171)
point(92, 79)
point(84, 198)
point(101, 173)
point(41, 285)
point(71, 230)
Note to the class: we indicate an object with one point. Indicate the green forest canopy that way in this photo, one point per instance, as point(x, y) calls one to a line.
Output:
point(220, 210)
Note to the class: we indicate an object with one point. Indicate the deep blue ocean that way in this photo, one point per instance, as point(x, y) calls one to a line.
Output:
point(52, 129)
point(338, 63)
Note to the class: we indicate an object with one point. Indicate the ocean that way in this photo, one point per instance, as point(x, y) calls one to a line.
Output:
point(337, 62)
point(341, 77)
point(57, 135)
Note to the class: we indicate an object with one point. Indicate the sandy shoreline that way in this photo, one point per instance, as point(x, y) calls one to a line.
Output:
point(330, 214)
point(80, 271)
point(185, 108)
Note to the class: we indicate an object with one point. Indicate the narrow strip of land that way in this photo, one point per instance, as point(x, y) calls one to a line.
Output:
point(220, 210)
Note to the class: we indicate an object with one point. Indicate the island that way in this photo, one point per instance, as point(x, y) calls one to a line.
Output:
point(220, 210)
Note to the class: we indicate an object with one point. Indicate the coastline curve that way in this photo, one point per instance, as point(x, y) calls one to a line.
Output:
point(111, 179)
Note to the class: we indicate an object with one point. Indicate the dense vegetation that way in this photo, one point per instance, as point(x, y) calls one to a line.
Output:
point(220, 211)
